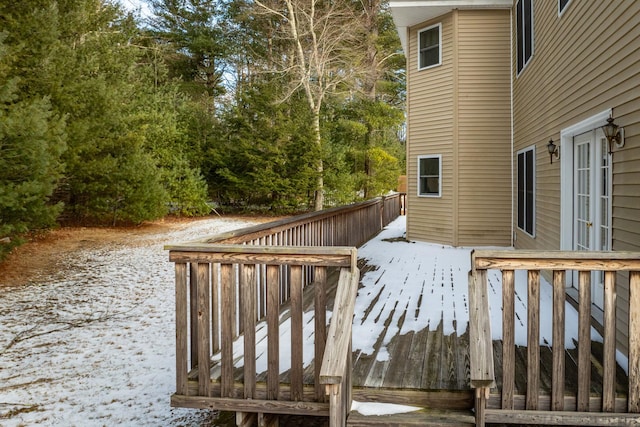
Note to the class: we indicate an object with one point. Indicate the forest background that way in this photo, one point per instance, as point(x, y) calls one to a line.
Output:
point(108, 117)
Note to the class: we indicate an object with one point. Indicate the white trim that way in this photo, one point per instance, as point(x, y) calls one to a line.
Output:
point(566, 172)
point(431, 156)
point(439, 25)
point(531, 148)
point(533, 37)
point(513, 179)
point(566, 6)
point(409, 13)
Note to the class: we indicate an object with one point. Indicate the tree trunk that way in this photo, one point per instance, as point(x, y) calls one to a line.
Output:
point(319, 196)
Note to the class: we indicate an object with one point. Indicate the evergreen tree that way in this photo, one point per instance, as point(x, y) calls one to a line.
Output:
point(31, 142)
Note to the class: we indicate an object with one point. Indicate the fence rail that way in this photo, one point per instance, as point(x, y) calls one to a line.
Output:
point(559, 408)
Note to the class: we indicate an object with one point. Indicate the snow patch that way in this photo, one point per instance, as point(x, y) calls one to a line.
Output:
point(377, 408)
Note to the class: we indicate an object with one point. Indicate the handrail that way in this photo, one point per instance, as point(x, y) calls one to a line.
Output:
point(335, 372)
point(557, 263)
point(260, 230)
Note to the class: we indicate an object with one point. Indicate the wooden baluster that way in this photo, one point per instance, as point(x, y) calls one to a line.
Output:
point(634, 342)
point(215, 307)
point(584, 340)
point(241, 300)
point(609, 362)
point(204, 341)
point(273, 333)
point(296, 333)
point(193, 312)
point(558, 380)
point(236, 303)
point(320, 320)
point(228, 313)
point(508, 339)
point(182, 315)
point(248, 286)
point(533, 339)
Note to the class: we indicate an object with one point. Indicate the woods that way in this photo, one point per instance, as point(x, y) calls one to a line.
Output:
point(107, 117)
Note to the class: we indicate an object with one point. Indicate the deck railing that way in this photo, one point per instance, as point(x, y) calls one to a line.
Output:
point(351, 225)
point(558, 408)
point(230, 286)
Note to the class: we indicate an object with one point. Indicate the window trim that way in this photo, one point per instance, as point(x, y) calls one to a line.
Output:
point(561, 9)
point(523, 227)
point(431, 27)
point(521, 38)
point(431, 195)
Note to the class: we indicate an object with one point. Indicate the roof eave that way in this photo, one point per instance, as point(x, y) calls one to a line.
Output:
point(407, 13)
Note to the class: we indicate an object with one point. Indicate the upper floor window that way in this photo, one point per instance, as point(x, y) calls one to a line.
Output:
point(429, 46)
point(562, 4)
point(524, 26)
point(430, 176)
point(526, 190)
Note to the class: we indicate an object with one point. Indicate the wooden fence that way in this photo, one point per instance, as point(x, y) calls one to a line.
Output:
point(560, 407)
point(230, 285)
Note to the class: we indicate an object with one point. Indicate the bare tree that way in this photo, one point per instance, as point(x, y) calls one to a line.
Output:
point(324, 59)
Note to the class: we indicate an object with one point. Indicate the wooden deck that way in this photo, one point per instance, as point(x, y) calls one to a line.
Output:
point(427, 368)
point(419, 328)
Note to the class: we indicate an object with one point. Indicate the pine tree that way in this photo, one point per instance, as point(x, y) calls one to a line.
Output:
point(31, 141)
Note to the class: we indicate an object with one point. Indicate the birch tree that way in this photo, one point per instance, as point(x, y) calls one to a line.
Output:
point(323, 59)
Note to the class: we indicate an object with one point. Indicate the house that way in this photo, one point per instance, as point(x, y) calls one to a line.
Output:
point(506, 103)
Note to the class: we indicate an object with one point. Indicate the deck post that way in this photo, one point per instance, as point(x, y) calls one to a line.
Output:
point(634, 343)
point(246, 419)
point(481, 395)
point(336, 407)
point(181, 328)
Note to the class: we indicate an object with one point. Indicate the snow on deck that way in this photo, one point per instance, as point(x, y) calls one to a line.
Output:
point(408, 287)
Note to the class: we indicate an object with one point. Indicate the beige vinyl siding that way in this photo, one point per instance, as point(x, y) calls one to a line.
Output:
point(461, 110)
point(429, 131)
point(584, 62)
point(484, 128)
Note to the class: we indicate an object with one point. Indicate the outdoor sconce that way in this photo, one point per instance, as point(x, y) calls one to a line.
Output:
point(553, 150)
point(614, 134)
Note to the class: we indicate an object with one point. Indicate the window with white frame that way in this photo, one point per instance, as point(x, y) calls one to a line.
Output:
point(561, 5)
point(429, 47)
point(524, 33)
point(526, 190)
point(430, 176)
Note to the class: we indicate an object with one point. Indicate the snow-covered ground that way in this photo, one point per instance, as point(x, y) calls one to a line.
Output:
point(96, 346)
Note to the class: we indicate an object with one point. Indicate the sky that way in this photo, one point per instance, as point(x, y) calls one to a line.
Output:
point(135, 6)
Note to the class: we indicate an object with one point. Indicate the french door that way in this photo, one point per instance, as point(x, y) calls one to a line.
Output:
point(592, 200)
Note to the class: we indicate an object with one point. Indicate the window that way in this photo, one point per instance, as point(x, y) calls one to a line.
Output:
point(526, 190)
point(430, 176)
point(524, 25)
point(429, 42)
point(561, 5)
